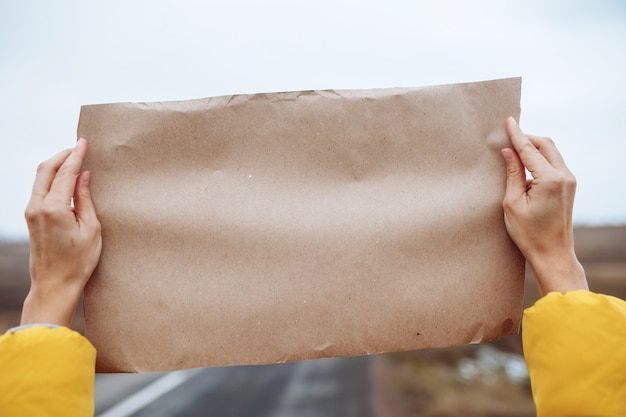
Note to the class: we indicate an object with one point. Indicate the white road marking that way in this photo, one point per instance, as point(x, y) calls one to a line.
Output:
point(149, 393)
point(309, 385)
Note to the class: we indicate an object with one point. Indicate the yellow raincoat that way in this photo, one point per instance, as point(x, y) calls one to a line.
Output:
point(575, 350)
point(46, 372)
point(574, 344)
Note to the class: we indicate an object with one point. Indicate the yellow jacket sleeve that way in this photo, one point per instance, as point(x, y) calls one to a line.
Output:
point(575, 350)
point(46, 372)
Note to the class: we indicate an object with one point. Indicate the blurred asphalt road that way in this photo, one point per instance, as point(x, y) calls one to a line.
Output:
point(338, 387)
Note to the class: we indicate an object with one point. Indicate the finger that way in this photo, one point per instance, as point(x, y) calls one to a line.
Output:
point(528, 153)
point(46, 172)
point(64, 182)
point(548, 149)
point(515, 176)
point(83, 204)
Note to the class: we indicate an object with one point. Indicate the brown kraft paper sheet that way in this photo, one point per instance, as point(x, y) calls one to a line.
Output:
point(265, 228)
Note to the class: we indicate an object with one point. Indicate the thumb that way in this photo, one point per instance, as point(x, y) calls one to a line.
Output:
point(83, 204)
point(515, 176)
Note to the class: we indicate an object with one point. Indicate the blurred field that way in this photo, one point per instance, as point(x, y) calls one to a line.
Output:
point(477, 380)
point(14, 281)
point(431, 383)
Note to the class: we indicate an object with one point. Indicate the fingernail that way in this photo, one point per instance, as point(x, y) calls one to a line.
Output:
point(512, 119)
point(85, 177)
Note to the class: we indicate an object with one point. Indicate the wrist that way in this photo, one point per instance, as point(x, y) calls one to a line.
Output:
point(559, 274)
point(54, 307)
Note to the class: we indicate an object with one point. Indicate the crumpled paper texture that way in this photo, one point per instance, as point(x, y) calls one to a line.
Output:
point(264, 228)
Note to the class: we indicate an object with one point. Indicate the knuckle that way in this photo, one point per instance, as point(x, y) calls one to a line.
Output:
point(511, 167)
point(46, 211)
point(571, 180)
point(84, 193)
point(50, 210)
point(508, 203)
point(541, 141)
point(547, 141)
point(64, 170)
point(97, 228)
point(562, 182)
point(527, 147)
point(31, 213)
point(565, 178)
point(42, 166)
point(557, 180)
point(512, 171)
point(91, 224)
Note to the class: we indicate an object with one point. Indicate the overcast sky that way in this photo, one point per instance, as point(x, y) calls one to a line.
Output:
point(57, 55)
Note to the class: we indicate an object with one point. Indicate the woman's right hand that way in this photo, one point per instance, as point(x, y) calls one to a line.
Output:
point(538, 211)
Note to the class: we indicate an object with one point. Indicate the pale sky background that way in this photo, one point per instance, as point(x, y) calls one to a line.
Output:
point(57, 55)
